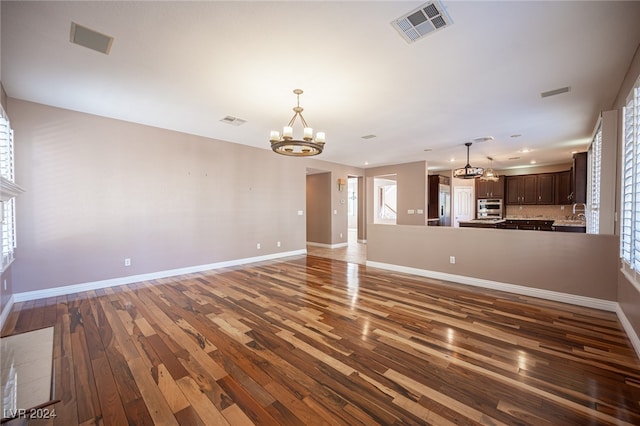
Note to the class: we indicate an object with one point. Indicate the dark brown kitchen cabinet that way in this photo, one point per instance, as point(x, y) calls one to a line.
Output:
point(529, 224)
point(546, 188)
point(522, 189)
point(563, 188)
point(490, 189)
point(579, 177)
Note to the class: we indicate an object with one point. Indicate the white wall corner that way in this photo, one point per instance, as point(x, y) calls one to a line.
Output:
point(628, 328)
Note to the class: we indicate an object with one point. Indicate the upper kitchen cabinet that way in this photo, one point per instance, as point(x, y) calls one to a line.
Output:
point(563, 188)
point(490, 189)
point(546, 188)
point(522, 189)
point(579, 177)
point(543, 188)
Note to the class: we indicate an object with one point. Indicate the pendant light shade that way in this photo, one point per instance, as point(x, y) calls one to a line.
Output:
point(468, 172)
point(489, 174)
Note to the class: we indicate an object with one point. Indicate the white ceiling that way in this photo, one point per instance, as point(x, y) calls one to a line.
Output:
point(186, 65)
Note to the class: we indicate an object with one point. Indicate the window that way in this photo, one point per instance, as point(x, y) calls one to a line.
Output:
point(595, 160)
point(7, 205)
point(630, 197)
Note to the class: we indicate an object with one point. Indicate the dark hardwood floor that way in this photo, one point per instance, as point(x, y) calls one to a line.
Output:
point(310, 340)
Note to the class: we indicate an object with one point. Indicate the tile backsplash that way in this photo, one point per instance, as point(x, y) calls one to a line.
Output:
point(544, 212)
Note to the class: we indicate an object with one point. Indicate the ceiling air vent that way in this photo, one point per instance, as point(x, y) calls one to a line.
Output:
point(420, 22)
point(90, 39)
point(555, 92)
point(234, 121)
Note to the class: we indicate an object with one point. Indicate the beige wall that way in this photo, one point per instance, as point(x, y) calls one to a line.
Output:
point(577, 264)
point(318, 209)
point(100, 190)
point(412, 188)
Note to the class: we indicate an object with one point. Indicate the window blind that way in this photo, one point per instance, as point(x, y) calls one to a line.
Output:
point(7, 207)
point(630, 197)
point(595, 157)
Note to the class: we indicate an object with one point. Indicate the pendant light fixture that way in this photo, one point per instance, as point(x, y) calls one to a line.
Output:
point(468, 172)
point(287, 145)
point(490, 174)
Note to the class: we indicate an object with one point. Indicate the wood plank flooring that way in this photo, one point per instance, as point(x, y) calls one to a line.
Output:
point(316, 341)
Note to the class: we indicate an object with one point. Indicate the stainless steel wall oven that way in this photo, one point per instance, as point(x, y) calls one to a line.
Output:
point(489, 208)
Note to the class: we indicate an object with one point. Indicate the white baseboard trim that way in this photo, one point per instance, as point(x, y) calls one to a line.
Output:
point(589, 302)
point(6, 311)
point(329, 246)
point(628, 328)
point(77, 288)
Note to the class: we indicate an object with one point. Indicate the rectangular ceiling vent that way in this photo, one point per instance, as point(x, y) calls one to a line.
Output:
point(234, 121)
point(420, 22)
point(555, 92)
point(90, 39)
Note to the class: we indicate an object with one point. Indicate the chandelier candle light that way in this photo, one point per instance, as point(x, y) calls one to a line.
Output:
point(287, 145)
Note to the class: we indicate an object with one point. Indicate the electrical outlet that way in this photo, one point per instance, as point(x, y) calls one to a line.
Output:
point(127, 262)
point(278, 244)
point(258, 246)
point(452, 259)
point(341, 235)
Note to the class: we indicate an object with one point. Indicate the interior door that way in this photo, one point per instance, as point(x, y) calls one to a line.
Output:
point(464, 208)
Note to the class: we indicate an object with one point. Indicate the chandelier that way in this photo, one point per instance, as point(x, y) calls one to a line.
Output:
point(287, 145)
point(468, 172)
point(490, 174)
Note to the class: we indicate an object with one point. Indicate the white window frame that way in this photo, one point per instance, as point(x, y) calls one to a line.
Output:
point(630, 188)
point(8, 190)
point(595, 175)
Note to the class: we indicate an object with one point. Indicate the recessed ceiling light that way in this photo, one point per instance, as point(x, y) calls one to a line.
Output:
point(533, 161)
point(525, 150)
point(366, 163)
point(452, 160)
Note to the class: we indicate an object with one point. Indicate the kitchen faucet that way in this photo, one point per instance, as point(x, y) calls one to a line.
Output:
point(582, 209)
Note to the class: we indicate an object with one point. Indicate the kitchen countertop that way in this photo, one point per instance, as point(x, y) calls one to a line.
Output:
point(556, 222)
point(483, 221)
point(565, 222)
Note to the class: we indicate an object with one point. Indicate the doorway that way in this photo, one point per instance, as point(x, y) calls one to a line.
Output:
point(385, 199)
point(463, 206)
point(353, 210)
